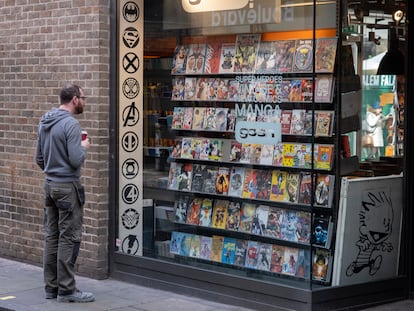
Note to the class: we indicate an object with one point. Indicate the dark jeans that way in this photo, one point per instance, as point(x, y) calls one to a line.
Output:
point(63, 232)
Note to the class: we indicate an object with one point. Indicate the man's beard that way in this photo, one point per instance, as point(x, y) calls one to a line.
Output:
point(78, 108)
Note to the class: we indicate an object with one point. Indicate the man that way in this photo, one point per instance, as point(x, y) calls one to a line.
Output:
point(60, 153)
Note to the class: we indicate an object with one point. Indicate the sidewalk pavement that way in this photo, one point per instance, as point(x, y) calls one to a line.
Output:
point(21, 289)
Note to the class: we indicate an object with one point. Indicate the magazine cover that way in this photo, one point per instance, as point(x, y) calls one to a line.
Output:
point(206, 212)
point(303, 56)
point(246, 52)
point(196, 58)
point(265, 256)
point(233, 216)
point(325, 54)
point(205, 247)
point(220, 212)
point(229, 247)
point(179, 60)
point(227, 53)
point(248, 210)
point(240, 253)
point(236, 181)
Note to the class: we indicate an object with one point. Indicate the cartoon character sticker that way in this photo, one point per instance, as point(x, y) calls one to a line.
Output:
point(375, 228)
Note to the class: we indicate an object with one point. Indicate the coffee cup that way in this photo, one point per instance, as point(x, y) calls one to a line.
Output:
point(84, 135)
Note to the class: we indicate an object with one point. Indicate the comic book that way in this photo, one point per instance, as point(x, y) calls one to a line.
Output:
point(265, 257)
point(240, 251)
point(322, 265)
point(195, 147)
point(292, 186)
point(174, 172)
point(288, 154)
point(256, 153)
point(186, 244)
point(202, 89)
point(307, 90)
point(179, 60)
point(209, 185)
point(248, 211)
point(278, 191)
point(175, 242)
point(259, 225)
point(205, 149)
point(178, 118)
point(324, 120)
point(176, 149)
point(199, 172)
point(303, 60)
point(324, 88)
point(252, 254)
point(297, 123)
point(266, 156)
point(209, 123)
point(181, 208)
point(236, 181)
point(305, 188)
point(221, 119)
point(246, 53)
point(186, 152)
point(193, 213)
point(227, 53)
point(198, 118)
point(278, 253)
point(264, 183)
point(290, 260)
point(246, 153)
point(322, 230)
point(196, 58)
point(235, 151)
point(212, 87)
point(285, 121)
point(231, 120)
point(185, 176)
point(303, 227)
point(190, 88)
point(213, 52)
point(278, 154)
point(195, 246)
point(220, 213)
point(295, 90)
point(325, 54)
point(274, 222)
point(216, 248)
point(229, 246)
point(223, 89)
point(233, 216)
point(205, 247)
point(223, 180)
point(324, 157)
point(302, 155)
point(188, 118)
point(324, 190)
point(215, 150)
point(206, 212)
point(178, 88)
point(308, 126)
point(284, 55)
point(289, 224)
point(266, 57)
point(250, 183)
point(303, 266)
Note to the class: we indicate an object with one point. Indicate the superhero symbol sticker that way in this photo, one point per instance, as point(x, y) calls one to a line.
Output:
point(130, 194)
point(130, 115)
point(130, 245)
point(130, 141)
point(130, 88)
point(130, 37)
point(130, 62)
point(130, 168)
point(130, 218)
point(130, 11)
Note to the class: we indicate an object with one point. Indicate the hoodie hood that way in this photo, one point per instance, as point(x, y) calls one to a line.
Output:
point(53, 116)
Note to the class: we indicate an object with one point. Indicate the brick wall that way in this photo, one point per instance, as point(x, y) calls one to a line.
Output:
point(44, 44)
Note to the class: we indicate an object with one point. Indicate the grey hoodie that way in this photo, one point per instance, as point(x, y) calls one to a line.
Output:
point(59, 152)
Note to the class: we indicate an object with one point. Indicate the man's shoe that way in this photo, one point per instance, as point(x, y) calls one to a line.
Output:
point(77, 296)
point(51, 295)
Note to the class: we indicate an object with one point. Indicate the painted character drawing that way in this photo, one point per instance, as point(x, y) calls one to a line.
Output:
point(375, 228)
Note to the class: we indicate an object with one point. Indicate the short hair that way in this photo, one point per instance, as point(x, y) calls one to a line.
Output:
point(68, 92)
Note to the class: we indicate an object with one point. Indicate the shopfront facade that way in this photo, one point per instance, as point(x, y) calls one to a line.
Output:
point(234, 154)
